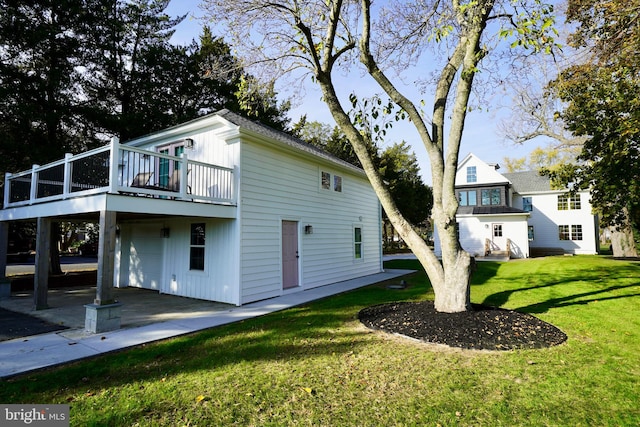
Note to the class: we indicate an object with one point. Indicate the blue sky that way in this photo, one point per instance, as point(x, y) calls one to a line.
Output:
point(481, 129)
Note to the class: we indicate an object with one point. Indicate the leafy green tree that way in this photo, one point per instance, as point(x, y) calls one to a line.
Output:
point(128, 65)
point(320, 37)
point(602, 105)
point(39, 96)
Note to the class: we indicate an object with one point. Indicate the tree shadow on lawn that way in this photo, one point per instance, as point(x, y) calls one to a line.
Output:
point(317, 329)
point(576, 299)
point(500, 298)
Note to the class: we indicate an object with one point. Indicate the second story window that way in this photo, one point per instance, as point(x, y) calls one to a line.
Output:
point(471, 174)
point(527, 206)
point(490, 197)
point(467, 198)
point(566, 202)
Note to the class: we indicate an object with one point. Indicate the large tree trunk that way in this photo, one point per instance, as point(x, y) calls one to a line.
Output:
point(623, 243)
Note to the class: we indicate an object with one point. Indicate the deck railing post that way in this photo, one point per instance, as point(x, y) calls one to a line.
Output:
point(235, 184)
point(66, 189)
point(7, 189)
point(114, 155)
point(33, 194)
point(184, 173)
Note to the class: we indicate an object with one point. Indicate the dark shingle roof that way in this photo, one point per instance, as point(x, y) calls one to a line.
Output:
point(529, 181)
point(487, 210)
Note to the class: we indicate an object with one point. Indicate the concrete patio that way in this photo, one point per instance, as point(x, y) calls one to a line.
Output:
point(147, 316)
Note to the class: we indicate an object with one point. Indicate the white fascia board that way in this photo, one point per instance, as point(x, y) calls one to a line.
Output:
point(183, 130)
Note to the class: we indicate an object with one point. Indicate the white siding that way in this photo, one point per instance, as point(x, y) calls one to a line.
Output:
point(475, 230)
point(152, 262)
point(545, 219)
point(209, 145)
point(485, 174)
point(277, 185)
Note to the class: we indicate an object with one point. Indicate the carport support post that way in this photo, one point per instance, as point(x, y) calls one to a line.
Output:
point(5, 284)
point(104, 314)
point(43, 251)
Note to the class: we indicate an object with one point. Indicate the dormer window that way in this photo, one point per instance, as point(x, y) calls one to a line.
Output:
point(471, 174)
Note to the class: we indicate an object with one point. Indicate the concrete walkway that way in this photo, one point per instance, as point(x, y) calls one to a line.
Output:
point(27, 354)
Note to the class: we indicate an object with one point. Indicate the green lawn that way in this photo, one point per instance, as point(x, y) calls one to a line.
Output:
point(316, 365)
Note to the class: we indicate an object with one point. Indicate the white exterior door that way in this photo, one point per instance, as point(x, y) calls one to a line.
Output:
point(145, 257)
point(499, 240)
point(289, 254)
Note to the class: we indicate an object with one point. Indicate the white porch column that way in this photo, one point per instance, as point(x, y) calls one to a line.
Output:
point(41, 277)
point(104, 314)
point(5, 284)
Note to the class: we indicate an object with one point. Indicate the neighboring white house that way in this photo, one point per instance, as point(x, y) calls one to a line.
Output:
point(220, 208)
point(519, 214)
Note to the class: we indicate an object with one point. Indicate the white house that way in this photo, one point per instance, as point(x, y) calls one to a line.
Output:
point(220, 208)
point(519, 214)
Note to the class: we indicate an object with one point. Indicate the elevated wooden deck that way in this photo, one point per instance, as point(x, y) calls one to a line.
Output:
point(91, 180)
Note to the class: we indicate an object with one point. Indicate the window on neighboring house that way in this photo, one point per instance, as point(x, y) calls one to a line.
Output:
point(471, 174)
point(566, 202)
point(526, 204)
point(326, 180)
point(490, 197)
point(576, 232)
point(337, 183)
point(357, 242)
point(196, 249)
point(468, 198)
point(530, 232)
point(574, 202)
point(563, 232)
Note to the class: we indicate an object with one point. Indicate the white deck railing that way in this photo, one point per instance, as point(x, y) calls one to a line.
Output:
point(119, 169)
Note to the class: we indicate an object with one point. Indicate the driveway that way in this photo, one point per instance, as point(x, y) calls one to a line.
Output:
point(68, 264)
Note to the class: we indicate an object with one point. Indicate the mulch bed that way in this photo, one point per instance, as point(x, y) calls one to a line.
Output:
point(482, 328)
point(17, 325)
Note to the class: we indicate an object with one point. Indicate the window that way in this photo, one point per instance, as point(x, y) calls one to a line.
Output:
point(326, 180)
point(468, 198)
point(337, 183)
point(566, 202)
point(326, 183)
point(497, 230)
point(196, 250)
point(471, 174)
point(563, 232)
point(530, 232)
point(526, 205)
point(576, 232)
point(574, 202)
point(490, 197)
point(357, 242)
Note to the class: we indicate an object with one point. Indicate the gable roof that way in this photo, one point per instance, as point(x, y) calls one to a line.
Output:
point(486, 173)
point(282, 137)
point(248, 126)
point(528, 182)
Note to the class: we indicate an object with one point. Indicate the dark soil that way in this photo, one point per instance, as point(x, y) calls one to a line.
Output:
point(17, 325)
point(82, 278)
point(482, 328)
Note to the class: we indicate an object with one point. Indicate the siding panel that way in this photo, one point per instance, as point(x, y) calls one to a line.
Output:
point(276, 186)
